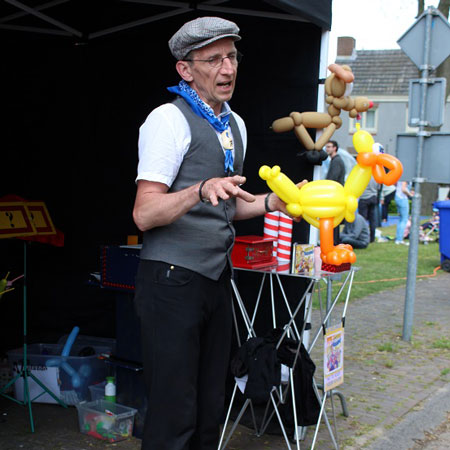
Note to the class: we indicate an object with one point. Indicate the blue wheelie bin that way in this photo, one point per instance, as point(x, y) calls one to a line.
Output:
point(444, 233)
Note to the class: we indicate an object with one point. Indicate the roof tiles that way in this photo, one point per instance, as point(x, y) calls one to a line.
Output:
point(381, 72)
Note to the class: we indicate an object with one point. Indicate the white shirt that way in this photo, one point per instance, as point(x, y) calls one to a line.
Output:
point(164, 139)
point(399, 192)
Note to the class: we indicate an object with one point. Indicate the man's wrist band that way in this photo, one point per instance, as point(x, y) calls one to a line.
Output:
point(266, 203)
point(200, 190)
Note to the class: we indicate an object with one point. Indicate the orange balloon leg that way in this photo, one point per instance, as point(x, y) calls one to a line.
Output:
point(326, 236)
point(330, 254)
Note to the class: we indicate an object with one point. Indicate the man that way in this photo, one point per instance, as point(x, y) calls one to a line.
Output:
point(356, 233)
point(336, 172)
point(368, 206)
point(387, 195)
point(189, 191)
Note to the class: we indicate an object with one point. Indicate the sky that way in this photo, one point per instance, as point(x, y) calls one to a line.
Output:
point(375, 24)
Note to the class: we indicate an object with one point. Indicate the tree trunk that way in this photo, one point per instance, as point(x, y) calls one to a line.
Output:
point(421, 6)
point(429, 192)
point(443, 7)
point(444, 69)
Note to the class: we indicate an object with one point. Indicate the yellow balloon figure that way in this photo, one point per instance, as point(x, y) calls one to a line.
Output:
point(4, 285)
point(325, 203)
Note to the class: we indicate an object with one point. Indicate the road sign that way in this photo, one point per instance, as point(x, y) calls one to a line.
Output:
point(435, 102)
point(435, 157)
point(411, 42)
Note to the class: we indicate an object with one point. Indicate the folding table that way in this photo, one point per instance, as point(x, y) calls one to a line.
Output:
point(279, 394)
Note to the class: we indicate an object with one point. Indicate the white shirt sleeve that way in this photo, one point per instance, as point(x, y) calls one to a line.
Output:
point(164, 139)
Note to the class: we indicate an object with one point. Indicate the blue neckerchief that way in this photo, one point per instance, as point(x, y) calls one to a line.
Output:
point(203, 110)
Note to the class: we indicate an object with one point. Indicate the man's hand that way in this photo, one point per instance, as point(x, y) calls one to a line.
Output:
point(276, 204)
point(225, 188)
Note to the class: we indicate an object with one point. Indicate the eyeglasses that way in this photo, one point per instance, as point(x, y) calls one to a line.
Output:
point(217, 61)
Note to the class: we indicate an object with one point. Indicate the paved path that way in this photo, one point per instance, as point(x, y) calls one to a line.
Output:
point(398, 393)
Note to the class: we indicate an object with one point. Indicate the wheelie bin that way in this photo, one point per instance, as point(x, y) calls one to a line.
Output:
point(444, 233)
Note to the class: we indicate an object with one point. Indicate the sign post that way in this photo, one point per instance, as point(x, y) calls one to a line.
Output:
point(26, 220)
point(431, 30)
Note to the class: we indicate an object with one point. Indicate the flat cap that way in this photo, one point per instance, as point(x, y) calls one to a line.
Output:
point(200, 32)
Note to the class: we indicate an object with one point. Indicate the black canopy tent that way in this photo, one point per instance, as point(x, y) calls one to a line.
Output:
point(89, 20)
point(79, 77)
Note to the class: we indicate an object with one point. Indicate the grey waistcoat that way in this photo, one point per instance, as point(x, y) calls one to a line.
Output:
point(201, 239)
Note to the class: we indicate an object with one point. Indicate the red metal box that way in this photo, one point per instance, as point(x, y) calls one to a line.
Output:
point(253, 252)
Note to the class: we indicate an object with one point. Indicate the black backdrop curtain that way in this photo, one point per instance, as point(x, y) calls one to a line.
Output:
point(70, 115)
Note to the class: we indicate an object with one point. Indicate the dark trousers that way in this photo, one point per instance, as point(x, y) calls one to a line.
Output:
point(186, 333)
point(368, 208)
point(336, 233)
point(384, 209)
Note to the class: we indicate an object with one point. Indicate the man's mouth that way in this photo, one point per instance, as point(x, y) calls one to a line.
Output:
point(226, 84)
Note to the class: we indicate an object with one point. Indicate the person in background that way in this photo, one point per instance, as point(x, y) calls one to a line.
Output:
point(349, 163)
point(356, 233)
point(336, 172)
point(402, 196)
point(368, 206)
point(387, 195)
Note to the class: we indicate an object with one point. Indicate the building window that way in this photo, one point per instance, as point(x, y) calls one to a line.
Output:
point(369, 121)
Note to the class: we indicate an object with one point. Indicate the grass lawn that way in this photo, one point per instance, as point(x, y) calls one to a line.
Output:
point(383, 265)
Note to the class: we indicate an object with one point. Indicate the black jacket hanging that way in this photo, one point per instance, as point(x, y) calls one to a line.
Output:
point(261, 361)
point(257, 359)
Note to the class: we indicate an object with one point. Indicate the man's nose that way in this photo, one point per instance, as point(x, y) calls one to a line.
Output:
point(227, 66)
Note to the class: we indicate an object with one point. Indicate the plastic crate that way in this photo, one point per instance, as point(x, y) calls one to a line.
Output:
point(111, 422)
point(5, 376)
point(89, 369)
point(93, 341)
point(97, 391)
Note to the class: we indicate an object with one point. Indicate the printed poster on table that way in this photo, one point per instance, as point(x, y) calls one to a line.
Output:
point(333, 361)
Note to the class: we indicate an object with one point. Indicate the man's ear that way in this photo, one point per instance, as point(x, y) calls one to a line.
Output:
point(184, 70)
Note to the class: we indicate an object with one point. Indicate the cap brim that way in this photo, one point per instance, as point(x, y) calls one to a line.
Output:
point(202, 44)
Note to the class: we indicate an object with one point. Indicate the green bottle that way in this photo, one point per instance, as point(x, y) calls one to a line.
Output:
point(110, 389)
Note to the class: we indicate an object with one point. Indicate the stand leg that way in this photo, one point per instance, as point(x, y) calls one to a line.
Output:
point(46, 389)
point(27, 399)
point(235, 424)
point(334, 415)
point(325, 417)
point(281, 422)
point(322, 406)
point(24, 372)
point(294, 409)
point(10, 383)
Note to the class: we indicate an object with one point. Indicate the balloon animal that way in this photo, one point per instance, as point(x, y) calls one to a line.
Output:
point(325, 203)
point(337, 87)
point(5, 285)
point(84, 370)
